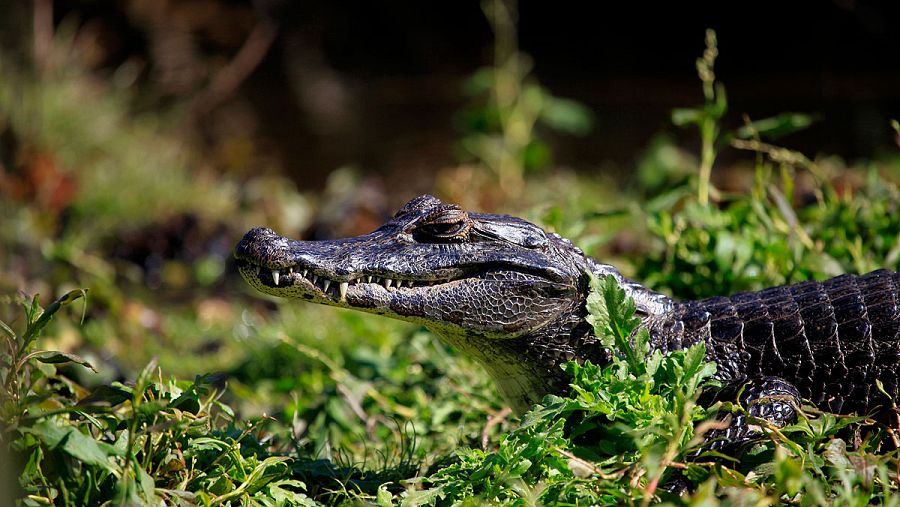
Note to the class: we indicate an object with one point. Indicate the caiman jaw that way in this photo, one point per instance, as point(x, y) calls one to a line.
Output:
point(299, 281)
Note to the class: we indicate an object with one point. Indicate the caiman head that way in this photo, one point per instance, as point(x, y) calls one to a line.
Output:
point(499, 288)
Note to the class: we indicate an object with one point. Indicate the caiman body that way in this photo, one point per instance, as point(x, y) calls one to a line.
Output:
point(512, 296)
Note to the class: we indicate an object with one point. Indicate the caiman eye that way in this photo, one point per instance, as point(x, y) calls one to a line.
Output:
point(442, 230)
point(446, 227)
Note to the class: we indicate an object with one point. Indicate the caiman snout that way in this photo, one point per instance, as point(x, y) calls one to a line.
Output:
point(264, 246)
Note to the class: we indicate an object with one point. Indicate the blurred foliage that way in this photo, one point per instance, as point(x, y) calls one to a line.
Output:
point(107, 158)
point(501, 124)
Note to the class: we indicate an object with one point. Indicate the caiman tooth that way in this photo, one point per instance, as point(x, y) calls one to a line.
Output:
point(398, 283)
point(275, 275)
point(290, 271)
point(387, 283)
point(305, 271)
point(343, 288)
point(315, 279)
point(325, 284)
point(375, 280)
point(369, 279)
point(258, 270)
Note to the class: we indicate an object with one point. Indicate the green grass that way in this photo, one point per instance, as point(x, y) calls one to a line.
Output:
point(623, 432)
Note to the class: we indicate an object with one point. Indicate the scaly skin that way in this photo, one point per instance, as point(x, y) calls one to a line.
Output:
point(512, 296)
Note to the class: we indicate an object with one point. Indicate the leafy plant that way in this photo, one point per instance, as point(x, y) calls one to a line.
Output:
point(613, 440)
point(629, 430)
point(145, 443)
point(508, 106)
point(706, 118)
point(19, 369)
point(777, 233)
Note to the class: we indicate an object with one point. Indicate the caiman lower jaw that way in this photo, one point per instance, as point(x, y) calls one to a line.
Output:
point(303, 282)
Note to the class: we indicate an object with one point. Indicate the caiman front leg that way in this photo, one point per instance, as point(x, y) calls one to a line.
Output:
point(771, 399)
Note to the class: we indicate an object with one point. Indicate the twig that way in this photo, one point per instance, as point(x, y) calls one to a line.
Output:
point(352, 402)
point(780, 155)
point(491, 422)
point(227, 80)
point(590, 466)
point(43, 33)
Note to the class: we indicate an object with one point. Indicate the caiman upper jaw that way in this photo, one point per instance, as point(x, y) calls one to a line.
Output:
point(298, 275)
point(270, 263)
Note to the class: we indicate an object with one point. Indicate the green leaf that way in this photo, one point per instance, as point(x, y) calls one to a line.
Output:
point(384, 497)
point(776, 126)
point(72, 442)
point(36, 325)
point(284, 496)
point(693, 358)
point(271, 468)
point(127, 492)
point(719, 107)
point(143, 381)
point(105, 395)
point(642, 344)
point(32, 312)
point(685, 117)
point(55, 357)
point(598, 314)
point(612, 315)
point(567, 116)
point(654, 362)
point(148, 485)
point(520, 468)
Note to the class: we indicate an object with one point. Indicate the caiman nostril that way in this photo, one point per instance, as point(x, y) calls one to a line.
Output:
point(262, 245)
point(255, 236)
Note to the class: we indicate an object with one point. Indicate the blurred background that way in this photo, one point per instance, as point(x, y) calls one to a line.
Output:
point(139, 139)
point(299, 89)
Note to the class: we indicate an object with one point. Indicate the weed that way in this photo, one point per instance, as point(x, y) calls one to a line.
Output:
point(508, 106)
point(154, 441)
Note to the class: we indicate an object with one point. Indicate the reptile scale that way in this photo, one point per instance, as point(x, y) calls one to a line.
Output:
point(512, 296)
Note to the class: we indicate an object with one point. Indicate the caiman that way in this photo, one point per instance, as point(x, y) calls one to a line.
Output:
point(512, 296)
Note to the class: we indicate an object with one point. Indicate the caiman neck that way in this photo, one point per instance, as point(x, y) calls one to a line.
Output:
point(528, 367)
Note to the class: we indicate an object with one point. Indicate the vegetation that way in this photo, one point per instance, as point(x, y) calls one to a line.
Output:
point(302, 405)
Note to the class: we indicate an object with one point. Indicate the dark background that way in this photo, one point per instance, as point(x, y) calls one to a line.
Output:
point(377, 84)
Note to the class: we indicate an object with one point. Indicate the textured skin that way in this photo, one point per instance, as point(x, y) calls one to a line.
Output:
point(512, 297)
point(830, 339)
point(771, 398)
